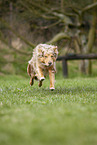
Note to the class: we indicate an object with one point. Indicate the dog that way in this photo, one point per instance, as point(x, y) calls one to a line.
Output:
point(42, 63)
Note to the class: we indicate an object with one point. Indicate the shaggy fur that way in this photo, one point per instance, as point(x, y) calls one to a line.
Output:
point(42, 62)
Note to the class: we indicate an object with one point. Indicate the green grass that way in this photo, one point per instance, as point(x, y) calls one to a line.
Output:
point(37, 116)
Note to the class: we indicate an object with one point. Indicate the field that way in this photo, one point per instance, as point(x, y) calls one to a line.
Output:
point(38, 116)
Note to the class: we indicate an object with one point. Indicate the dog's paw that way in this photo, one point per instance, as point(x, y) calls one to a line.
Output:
point(42, 78)
point(40, 81)
point(52, 88)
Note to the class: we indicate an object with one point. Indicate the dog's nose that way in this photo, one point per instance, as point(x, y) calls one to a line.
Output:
point(50, 63)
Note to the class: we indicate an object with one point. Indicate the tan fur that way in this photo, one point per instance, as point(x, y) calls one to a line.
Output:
point(43, 62)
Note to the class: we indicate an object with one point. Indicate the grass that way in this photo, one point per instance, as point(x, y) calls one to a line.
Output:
point(37, 116)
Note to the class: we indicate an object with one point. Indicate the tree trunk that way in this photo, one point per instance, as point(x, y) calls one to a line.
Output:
point(91, 39)
point(83, 66)
point(10, 21)
point(62, 5)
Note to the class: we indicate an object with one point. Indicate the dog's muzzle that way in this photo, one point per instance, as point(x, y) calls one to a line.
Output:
point(49, 63)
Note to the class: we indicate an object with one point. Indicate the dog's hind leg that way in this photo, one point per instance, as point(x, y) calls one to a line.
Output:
point(30, 72)
point(32, 80)
point(40, 82)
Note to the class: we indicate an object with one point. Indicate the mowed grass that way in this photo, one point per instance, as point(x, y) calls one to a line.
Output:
point(38, 116)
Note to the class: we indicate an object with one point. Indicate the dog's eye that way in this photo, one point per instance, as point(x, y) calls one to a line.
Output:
point(45, 56)
point(51, 55)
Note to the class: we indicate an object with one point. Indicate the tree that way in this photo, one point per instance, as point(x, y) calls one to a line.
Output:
point(67, 24)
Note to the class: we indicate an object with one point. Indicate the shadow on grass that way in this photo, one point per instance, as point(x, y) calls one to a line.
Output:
point(60, 90)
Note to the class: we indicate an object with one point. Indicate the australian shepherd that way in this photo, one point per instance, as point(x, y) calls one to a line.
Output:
point(43, 62)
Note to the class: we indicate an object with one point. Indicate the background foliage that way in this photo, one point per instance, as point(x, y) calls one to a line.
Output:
point(72, 25)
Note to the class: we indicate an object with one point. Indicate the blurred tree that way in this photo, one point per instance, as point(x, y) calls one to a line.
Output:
point(91, 36)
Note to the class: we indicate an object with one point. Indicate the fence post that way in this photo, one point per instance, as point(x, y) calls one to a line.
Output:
point(65, 68)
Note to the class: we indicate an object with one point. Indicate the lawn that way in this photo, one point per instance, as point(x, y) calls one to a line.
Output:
point(38, 116)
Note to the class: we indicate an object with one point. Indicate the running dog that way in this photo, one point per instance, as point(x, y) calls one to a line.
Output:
point(43, 62)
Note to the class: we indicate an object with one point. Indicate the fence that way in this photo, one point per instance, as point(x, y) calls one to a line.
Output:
point(65, 58)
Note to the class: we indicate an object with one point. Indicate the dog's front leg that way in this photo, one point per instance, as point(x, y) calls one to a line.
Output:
point(40, 76)
point(52, 79)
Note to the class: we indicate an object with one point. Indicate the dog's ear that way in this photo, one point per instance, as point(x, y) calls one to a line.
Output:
point(55, 51)
point(40, 52)
point(29, 68)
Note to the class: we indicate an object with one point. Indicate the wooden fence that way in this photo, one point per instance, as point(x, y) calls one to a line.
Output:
point(65, 58)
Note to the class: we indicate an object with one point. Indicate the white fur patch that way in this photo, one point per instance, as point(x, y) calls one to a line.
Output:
point(42, 78)
point(52, 88)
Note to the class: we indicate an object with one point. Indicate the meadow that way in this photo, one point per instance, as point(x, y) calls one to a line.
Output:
point(38, 116)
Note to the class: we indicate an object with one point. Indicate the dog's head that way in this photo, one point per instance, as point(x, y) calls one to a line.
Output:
point(47, 54)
